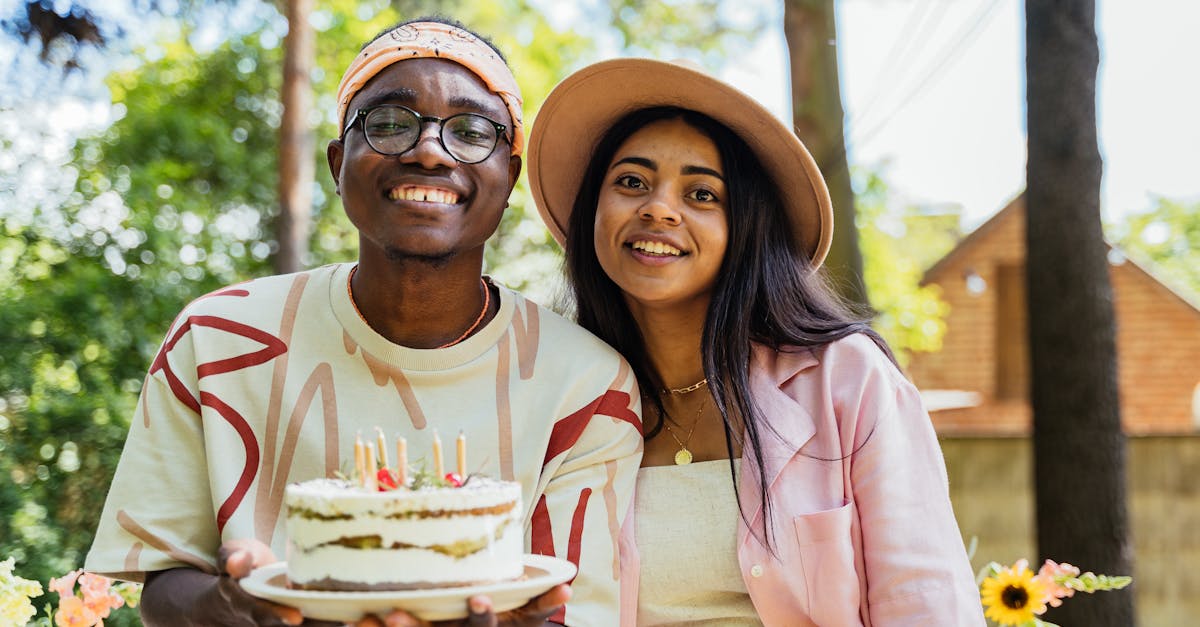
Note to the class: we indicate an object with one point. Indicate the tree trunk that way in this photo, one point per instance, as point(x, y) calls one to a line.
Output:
point(817, 115)
point(295, 140)
point(1079, 448)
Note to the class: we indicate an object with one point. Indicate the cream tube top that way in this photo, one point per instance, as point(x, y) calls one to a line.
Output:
point(686, 525)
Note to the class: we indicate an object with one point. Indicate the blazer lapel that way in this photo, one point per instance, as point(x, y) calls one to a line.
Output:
point(791, 424)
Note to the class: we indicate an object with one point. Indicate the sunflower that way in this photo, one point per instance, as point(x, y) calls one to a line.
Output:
point(1013, 596)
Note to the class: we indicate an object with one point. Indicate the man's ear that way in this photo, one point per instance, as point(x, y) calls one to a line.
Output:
point(514, 171)
point(333, 154)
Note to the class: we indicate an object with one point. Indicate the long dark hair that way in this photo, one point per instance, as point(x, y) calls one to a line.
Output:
point(766, 292)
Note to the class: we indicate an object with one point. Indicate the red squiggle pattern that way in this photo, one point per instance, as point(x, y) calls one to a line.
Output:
point(575, 543)
point(272, 348)
point(564, 435)
point(614, 403)
point(541, 532)
point(251, 445)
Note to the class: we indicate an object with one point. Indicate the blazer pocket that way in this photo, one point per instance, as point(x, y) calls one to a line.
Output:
point(826, 548)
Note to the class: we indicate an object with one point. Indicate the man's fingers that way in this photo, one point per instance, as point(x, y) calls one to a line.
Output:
point(246, 554)
point(277, 613)
point(552, 598)
point(238, 564)
point(402, 619)
point(481, 615)
point(369, 620)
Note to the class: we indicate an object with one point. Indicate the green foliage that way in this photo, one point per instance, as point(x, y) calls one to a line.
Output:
point(898, 245)
point(709, 28)
point(1168, 236)
point(172, 201)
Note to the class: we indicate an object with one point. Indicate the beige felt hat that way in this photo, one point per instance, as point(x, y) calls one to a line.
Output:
point(587, 103)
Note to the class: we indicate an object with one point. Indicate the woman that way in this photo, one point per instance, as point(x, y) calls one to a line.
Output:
point(791, 475)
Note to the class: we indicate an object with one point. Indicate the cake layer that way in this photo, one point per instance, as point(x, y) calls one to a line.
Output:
point(341, 567)
point(306, 534)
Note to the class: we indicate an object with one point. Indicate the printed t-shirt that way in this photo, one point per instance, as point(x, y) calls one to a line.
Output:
point(268, 382)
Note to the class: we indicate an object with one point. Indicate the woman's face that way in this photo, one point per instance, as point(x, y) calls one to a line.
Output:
point(661, 229)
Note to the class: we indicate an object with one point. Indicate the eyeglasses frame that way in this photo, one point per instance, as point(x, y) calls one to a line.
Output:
point(361, 115)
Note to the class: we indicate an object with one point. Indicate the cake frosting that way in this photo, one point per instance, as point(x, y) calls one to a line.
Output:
point(343, 536)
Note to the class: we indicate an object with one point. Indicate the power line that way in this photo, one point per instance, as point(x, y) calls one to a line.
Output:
point(917, 28)
point(950, 53)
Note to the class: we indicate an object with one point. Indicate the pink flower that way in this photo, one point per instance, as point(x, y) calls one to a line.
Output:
point(94, 603)
point(73, 613)
point(91, 584)
point(103, 602)
point(65, 585)
point(98, 595)
point(1055, 576)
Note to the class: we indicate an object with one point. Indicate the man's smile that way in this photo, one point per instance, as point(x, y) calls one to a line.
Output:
point(422, 193)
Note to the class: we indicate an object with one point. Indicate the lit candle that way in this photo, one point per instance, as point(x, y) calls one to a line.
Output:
point(461, 446)
point(381, 447)
point(437, 456)
point(360, 460)
point(372, 469)
point(401, 461)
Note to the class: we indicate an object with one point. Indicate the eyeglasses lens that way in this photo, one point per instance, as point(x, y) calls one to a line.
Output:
point(469, 137)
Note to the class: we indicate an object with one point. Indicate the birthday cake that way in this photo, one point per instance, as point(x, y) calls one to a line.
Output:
point(385, 529)
point(346, 536)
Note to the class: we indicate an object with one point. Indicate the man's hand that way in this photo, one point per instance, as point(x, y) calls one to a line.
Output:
point(237, 559)
point(532, 614)
point(186, 596)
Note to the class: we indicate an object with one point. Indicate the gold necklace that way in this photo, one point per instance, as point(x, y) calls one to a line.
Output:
point(487, 300)
point(683, 456)
point(685, 390)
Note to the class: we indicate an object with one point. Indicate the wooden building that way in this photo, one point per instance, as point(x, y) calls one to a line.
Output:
point(977, 384)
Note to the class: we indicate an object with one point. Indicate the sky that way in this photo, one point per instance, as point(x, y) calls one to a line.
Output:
point(934, 97)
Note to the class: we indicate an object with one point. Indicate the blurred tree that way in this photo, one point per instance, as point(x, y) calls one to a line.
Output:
point(67, 28)
point(1169, 237)
point(818, 117)
point(898, 244)
point(296, 164)
point(1079, 448)
point(167, 204)
point(710, 29)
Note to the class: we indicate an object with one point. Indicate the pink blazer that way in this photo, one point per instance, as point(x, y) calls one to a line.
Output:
point(860, 527)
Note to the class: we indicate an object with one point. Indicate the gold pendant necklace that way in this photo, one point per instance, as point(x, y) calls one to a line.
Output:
point(683, 456)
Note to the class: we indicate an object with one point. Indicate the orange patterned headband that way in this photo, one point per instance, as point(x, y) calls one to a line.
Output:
point(442, 41)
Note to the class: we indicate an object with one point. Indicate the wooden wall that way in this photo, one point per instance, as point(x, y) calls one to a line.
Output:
point(991, 487)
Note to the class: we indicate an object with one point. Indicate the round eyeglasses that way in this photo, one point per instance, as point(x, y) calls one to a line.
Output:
point(393, 129)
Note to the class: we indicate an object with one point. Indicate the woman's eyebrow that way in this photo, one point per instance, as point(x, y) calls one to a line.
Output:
point(642, 161)
point(699, 169)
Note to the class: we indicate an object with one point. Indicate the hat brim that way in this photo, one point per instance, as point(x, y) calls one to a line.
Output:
point(586, 104)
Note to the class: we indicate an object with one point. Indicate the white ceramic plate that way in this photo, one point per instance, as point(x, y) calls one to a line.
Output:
point(541, 573)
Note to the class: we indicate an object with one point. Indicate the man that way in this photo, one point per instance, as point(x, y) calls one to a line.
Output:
point(268, 382)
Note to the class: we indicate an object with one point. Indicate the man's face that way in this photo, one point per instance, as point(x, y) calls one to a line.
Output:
point(423, 204)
